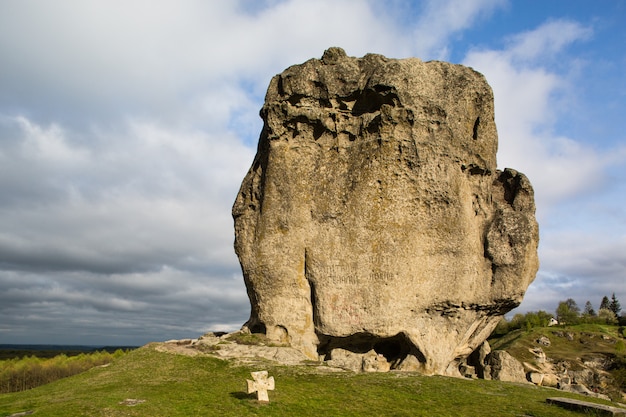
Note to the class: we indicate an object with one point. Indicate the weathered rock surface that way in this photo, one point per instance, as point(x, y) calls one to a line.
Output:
point(358, 362)
point(505, 367)
point(226, 348)
point(587, 407)
point(478, 360)
point(373, 216)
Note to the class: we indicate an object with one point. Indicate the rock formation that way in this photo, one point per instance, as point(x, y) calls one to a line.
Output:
point(505, 367)
point(374, 218)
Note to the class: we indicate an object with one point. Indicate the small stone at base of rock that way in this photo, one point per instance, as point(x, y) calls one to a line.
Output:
point(581, 389)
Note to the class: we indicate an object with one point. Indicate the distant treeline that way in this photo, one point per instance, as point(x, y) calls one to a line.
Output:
point(19, 374)
point(567, 313)
point(50, 351)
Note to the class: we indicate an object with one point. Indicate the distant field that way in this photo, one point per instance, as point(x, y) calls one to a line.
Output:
point(22, 373)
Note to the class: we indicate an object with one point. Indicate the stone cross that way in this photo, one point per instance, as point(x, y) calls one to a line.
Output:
point(261, 384)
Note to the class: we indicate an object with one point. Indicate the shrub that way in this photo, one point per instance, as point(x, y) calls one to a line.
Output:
point(30, 372)
point(568, 312)
point(618, 371)
point(526, 322)
point(607, 316)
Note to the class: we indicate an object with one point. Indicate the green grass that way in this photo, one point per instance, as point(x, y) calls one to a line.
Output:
point(258, 339)
point(587, 339)
point(174, 385)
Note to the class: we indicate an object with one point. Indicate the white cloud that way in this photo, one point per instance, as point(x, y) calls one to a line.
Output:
point(527, 101)
point(156, 58)
point(442, 19)
point(146, 197)
point(600, 258)
point(48, 145)
point(548, 39)
point(580, 251)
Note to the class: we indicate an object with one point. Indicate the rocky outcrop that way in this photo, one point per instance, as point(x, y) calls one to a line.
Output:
point(505, 367)
point(374, 218)
point(231, 346)
point(367, 362)
point(581, 363)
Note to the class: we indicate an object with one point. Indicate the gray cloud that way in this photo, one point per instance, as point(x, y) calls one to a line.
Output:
point(126, 129)
point(98, 308)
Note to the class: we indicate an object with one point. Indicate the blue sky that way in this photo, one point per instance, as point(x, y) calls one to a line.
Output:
point(127, 127)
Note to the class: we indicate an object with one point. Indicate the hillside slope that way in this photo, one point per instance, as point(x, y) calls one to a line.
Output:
point(175, 385)
point(590, 354)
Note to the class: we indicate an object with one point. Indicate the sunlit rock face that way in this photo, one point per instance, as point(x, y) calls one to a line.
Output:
point(374, 218)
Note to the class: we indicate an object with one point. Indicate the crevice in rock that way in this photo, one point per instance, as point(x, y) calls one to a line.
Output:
point(374, 125)
point(445, 309)
point(475, 130)
point(312, 296)
point(474, 169)
point(257, 327)
point(318, 130)
point(294, 99)
point(511, 184)
point(372, 99)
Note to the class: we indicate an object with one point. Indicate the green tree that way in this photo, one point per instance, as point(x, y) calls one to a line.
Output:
point(604, 303)
point(502, 328)
point(517, 322)
point(544, 318)
point(567, 312)
point(589, 311)
point(607, 316)
point(536, 319)
point(614, 306)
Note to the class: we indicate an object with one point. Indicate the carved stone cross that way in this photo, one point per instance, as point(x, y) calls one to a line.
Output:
point(261, 384)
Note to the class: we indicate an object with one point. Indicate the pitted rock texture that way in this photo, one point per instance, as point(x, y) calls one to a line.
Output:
point(373, 216)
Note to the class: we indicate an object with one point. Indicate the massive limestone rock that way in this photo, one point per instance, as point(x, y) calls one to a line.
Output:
point(373, 216)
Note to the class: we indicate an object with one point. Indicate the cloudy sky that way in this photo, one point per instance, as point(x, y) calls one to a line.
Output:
point(126, 128)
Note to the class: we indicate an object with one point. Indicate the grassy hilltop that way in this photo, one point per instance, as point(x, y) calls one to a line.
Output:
point(596, 353)
point(175, 385)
